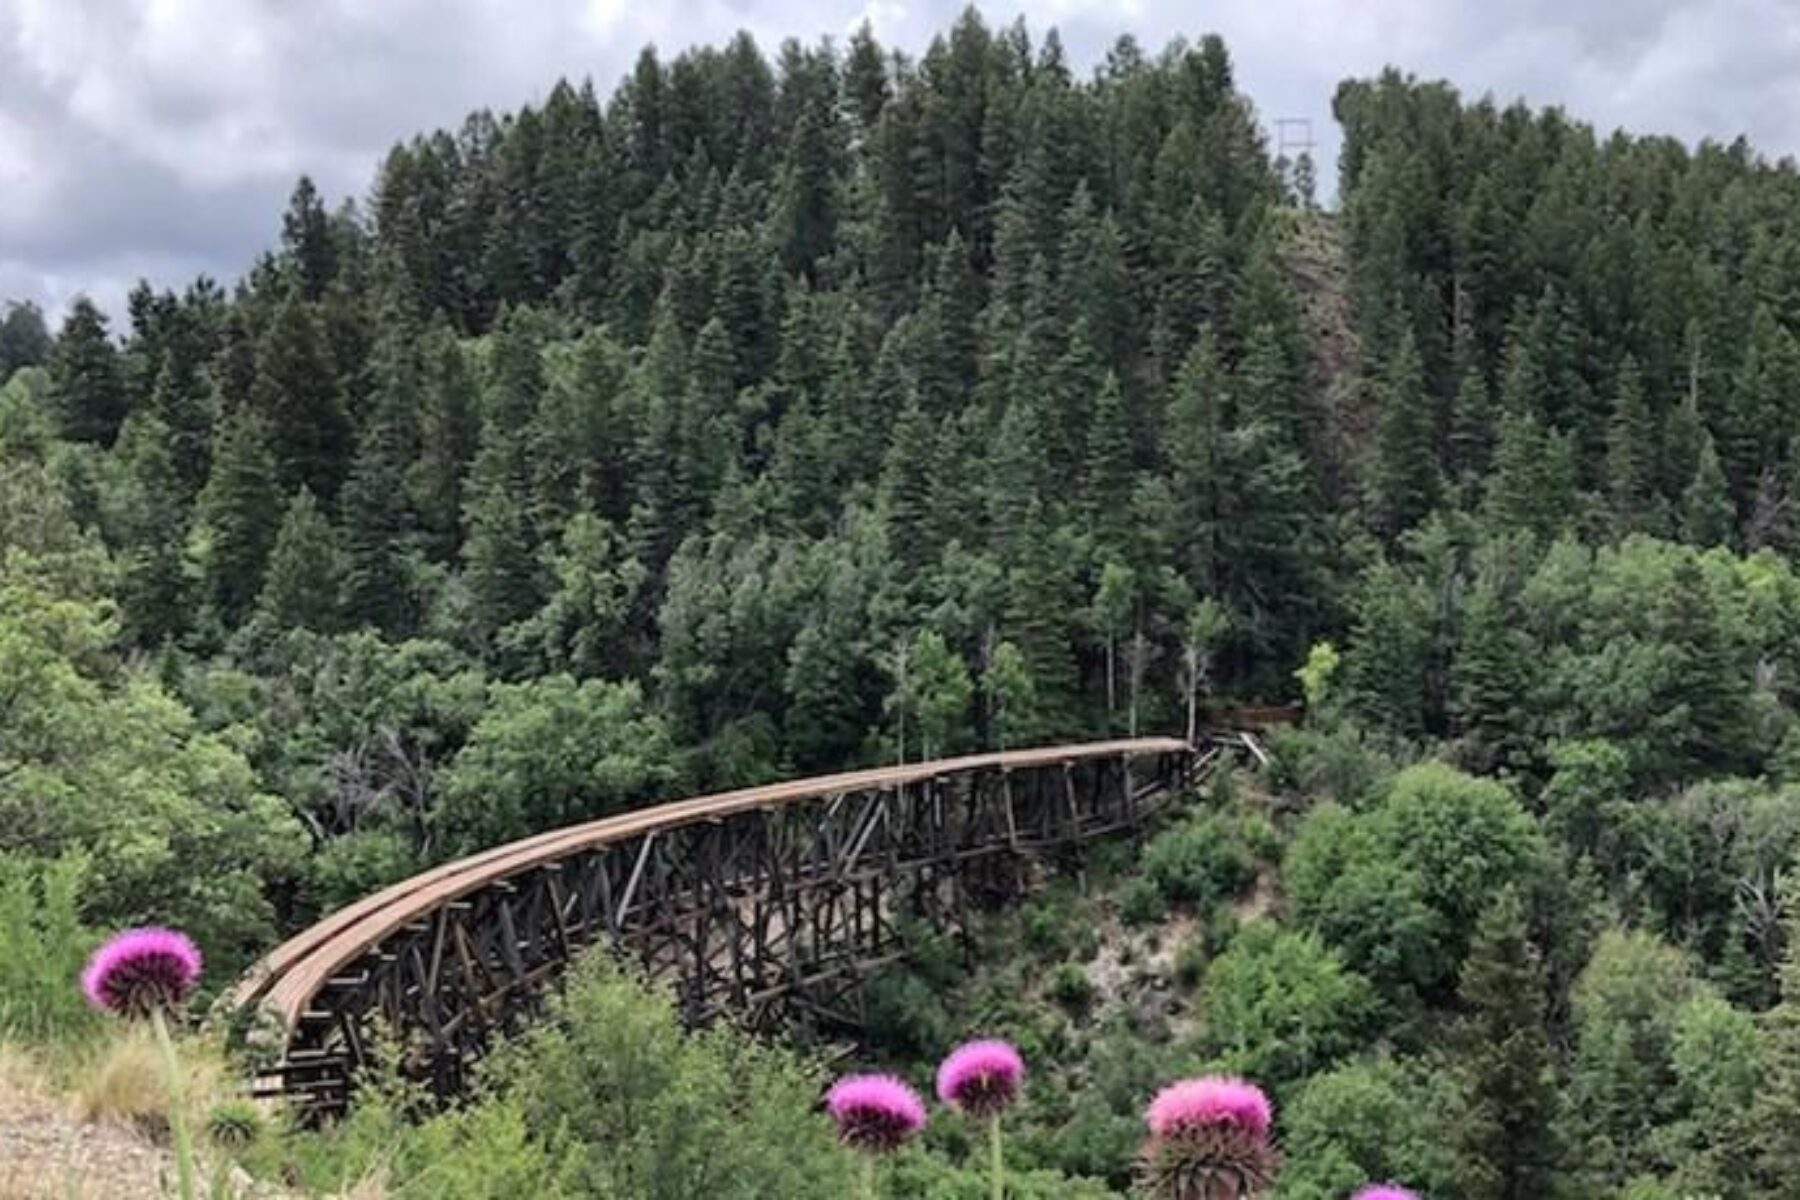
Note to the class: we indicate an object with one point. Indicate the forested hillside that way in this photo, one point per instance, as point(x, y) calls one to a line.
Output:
point(777, 413)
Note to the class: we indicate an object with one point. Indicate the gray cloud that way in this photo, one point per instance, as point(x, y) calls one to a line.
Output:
point(160, 138)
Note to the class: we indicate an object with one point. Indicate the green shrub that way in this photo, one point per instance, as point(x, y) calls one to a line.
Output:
point(905, 1015)
point(1190, 962)
point(1210, 856)
point(234, 1124)
point(1071, 988)
point(1141, 903)
point(1280, 1005)
point(663, 1114)
point(43, 946)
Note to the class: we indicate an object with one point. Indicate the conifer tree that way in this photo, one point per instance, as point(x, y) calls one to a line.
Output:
point(300, 590)
point(1505, 1134)
point(239, 513)
point(155, 590)
point(1531, 488)
point(1040, 600)
point(24, 338)
point(1491, 679)
point(1708, 517)
point(1404, 479)
point(501, 550)
point(866, 78)
point(1631, 455)
point(87, 383)
point(807, 212)
point(1011, 694)
point(1195, 439)
point(296, 391)
point(906, 488)
point(1111, 471)
point(1471, 431)
point(931, 696)
point(448, 431)
point(375, 514)
point(1775, 1116)
point(306, 236)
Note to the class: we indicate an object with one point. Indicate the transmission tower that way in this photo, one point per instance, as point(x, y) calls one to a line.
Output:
point(1294, 147)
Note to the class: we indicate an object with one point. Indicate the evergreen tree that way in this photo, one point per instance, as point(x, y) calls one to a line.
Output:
point(906, 488)
point(1505, 1134)
point(1011, 694)
point(1775, 1115)
point(306, 236)
point(25, 340)
point(1704, 684)
point(1471, 441)
point(866, 78)
point(1195, 441)
point(180, 401)
point(808, 204)
point(87, 383)
point(155, 591)
point(448, 431)
point(1631, 456)
point(1531, 488)
point(375, 514)
point(1404, 479)
point(930, 700)
point(500, 553)
point(1111, 472)
point(300, 590)
point(296, 390)
point(1041, 598)
point(1707, 514)
point(239, 514)
point(1389, 664)
point(1492, 681)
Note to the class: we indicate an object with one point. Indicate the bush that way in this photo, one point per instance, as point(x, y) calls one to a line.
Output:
point(662, 1114)
point(1363, 1121)
point(905, 1015)
point(1071, 988)
point(1280, 1005)
point(234, 1124)
point(43, 946)
point(1141, 903)
point(1208, 857)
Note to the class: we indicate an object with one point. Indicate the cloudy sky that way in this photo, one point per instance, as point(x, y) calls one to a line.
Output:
point(159, 138)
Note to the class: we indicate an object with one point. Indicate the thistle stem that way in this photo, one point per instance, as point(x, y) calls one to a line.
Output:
point(996, 1159)
point(868, 1177)
point(184, 1150)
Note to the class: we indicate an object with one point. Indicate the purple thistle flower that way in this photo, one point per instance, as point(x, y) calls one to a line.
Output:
point(875, 1113)
point(1384, 1191)
point(981, 1078)
point(1212, 1100)
point(1209, 1140)
point(142, 971)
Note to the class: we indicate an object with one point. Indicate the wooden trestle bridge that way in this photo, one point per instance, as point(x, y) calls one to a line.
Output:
point(769, 903)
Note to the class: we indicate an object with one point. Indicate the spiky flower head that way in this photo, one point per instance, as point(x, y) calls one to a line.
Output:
point(1209, 1140)
point(142, 971)
point(875, 1113)
point(1384, 1191)
point(1210, 1100)
point(981, 1078)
